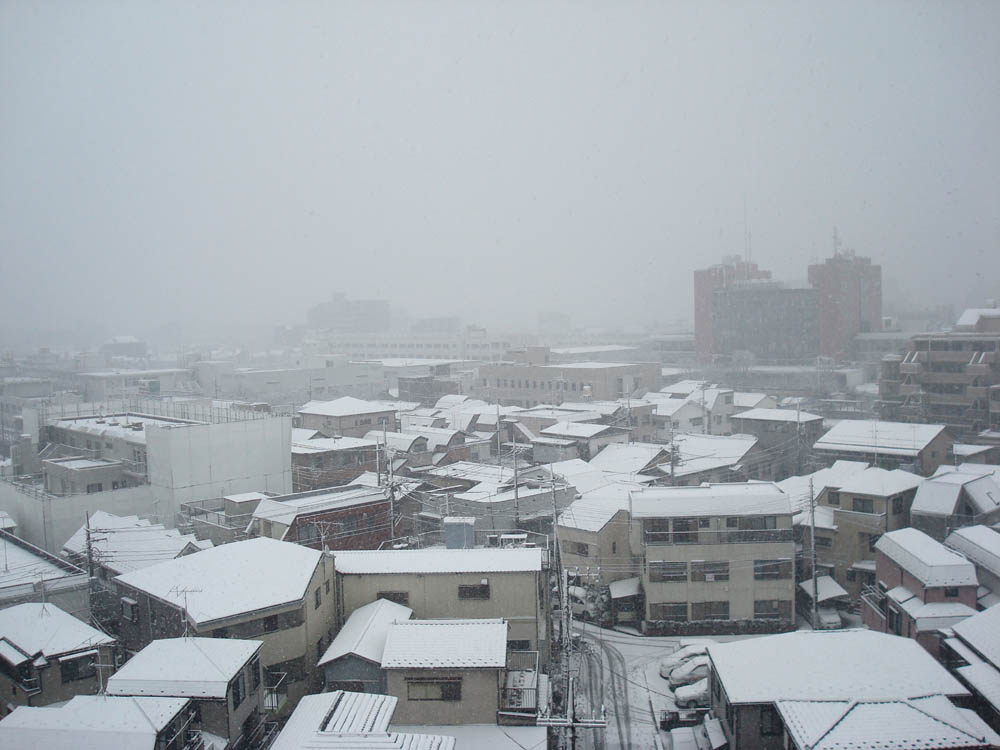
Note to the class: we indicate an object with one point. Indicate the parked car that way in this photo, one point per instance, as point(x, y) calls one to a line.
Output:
point(690, 671)
point(680, 656)
point(693, 695)
point(682, 718)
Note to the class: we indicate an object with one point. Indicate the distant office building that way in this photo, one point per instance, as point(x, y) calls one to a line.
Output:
point(773, 322)
point(342, 314)
point(850, 301)
point(706, 282)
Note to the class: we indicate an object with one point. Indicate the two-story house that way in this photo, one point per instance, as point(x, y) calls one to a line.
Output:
point(48, 656)
point(276, 592)
point(921, 587)
point(715, 558)
point(222, 677)
point(347, 417)
point(981, 546)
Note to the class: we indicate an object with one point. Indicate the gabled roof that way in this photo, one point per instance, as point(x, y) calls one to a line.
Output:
point(365, 631)
point(435, 560)
point(577, 430)
point(880, 482)
point(328, 445)
point(231, 579)
point(43, 629)
point(930, 723)
point(797, 488)
point(429, 644)
point(340, 720)
point(183, 667)
point(632, 458)
point(285, 510)
point(347, 406)
point(736, 499)
point(829, 665)
point(698, 453)
point(941, 493)
point(595, 509)
point(980, 632)
point(398, 441)
point(980, 544)
point(926, 559)
point(90, 722)
point(871, 436)
point(778, 415)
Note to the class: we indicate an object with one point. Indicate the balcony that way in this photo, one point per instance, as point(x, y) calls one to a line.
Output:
point(523, 687)
point(725, 536)
point(275, 690)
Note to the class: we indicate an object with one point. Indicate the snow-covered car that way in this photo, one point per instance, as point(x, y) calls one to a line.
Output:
point(690, 671)
point(684, 738)
point(680, 656)
point(693, 695)
point(829, 618)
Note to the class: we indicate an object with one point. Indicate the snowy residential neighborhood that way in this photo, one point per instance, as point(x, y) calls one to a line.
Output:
point(500, 375)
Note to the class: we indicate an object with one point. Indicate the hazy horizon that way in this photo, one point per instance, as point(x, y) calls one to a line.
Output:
point(210, 165)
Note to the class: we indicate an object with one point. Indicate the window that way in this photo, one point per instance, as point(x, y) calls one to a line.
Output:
point(772, 609)
point(897, 505)
point(872, 540)
point(696, 421)
point(518, 645)
point(732, 523)
point(685, 531)
point(709, 610)
point(399, 597)
point(255, 673)
point(434, 690)
point(577, 548)
point(239, 687)
point(668, 572)
point(851, 575)
point(308, 532)
point(823, 541)
point(833, 498)
point(769, 570)
point(95, 487)
point(951, 592)
point(326, 586)
point(710, 571)
point(670, 612)
point(317, 598)
point(614, 547)
point(220, 633)
point(270, 624)
point(78, 669)
point(863, 505)
point(770, 724)
point(703, 523)
point(130, 609)
point(474, 591)
point(762, 522)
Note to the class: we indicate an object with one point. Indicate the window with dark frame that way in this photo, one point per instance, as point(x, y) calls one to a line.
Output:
point(434, 690)
point(474, 591)
point(714, 570)
point(668, 572)
point(770, 723)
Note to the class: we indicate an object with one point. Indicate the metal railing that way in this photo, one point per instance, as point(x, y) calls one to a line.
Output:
point(275, 690)
point(517, 698)
point(734, 536)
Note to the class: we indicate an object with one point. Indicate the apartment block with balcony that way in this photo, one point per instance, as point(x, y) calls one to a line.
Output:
point(922, 587)
point(715, 558)
point(950, 378)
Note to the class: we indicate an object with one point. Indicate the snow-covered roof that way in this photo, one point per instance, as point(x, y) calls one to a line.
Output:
point(829, 665)
point(340, 720)
point(438, 438)
point(326, 445)
point(778, 415)
point(871, 436)
point(631, 458)
point(397, 441)
point(683, 387)
point(123, 544)
point(426, 644)
point(576, 430)
point(971, 316)
point(301, 434)
point(624, 588)
point(231, 579)
point(980, 544)
point(128, 427)
point(926, 559)
point(964, 450)
point(365, 631)
point(737, 499)
point(596, 508)
point(698, 453)
point(940, 494)
point(826, 588)
point(797, 487)
point(90, 722)
point(985, 680)
point(980, 632)
point(26, 564)
point(744, 400)
point(346, 406)
point(285, 510)
point(433, 560)
point(34, 628)
point(880, 482)
point(183, 667)
point(929, 723)
point(929, 615)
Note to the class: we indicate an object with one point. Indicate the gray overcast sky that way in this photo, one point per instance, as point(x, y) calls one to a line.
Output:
point(227, 160)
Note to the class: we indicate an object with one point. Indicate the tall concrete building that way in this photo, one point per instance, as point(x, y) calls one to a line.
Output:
point(706, 282)
point(776, 323)
point(850, 301)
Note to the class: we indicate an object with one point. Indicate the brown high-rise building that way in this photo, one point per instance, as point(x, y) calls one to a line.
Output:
point(706, 282)
point(850, 301)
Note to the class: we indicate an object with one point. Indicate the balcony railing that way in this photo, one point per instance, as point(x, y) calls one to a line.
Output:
point(275, 690)
point(725, 536)
point(520, 692)
point(875, 598)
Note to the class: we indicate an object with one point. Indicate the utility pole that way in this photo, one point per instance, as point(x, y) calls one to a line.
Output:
point(812, 544)
point(517, 512)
